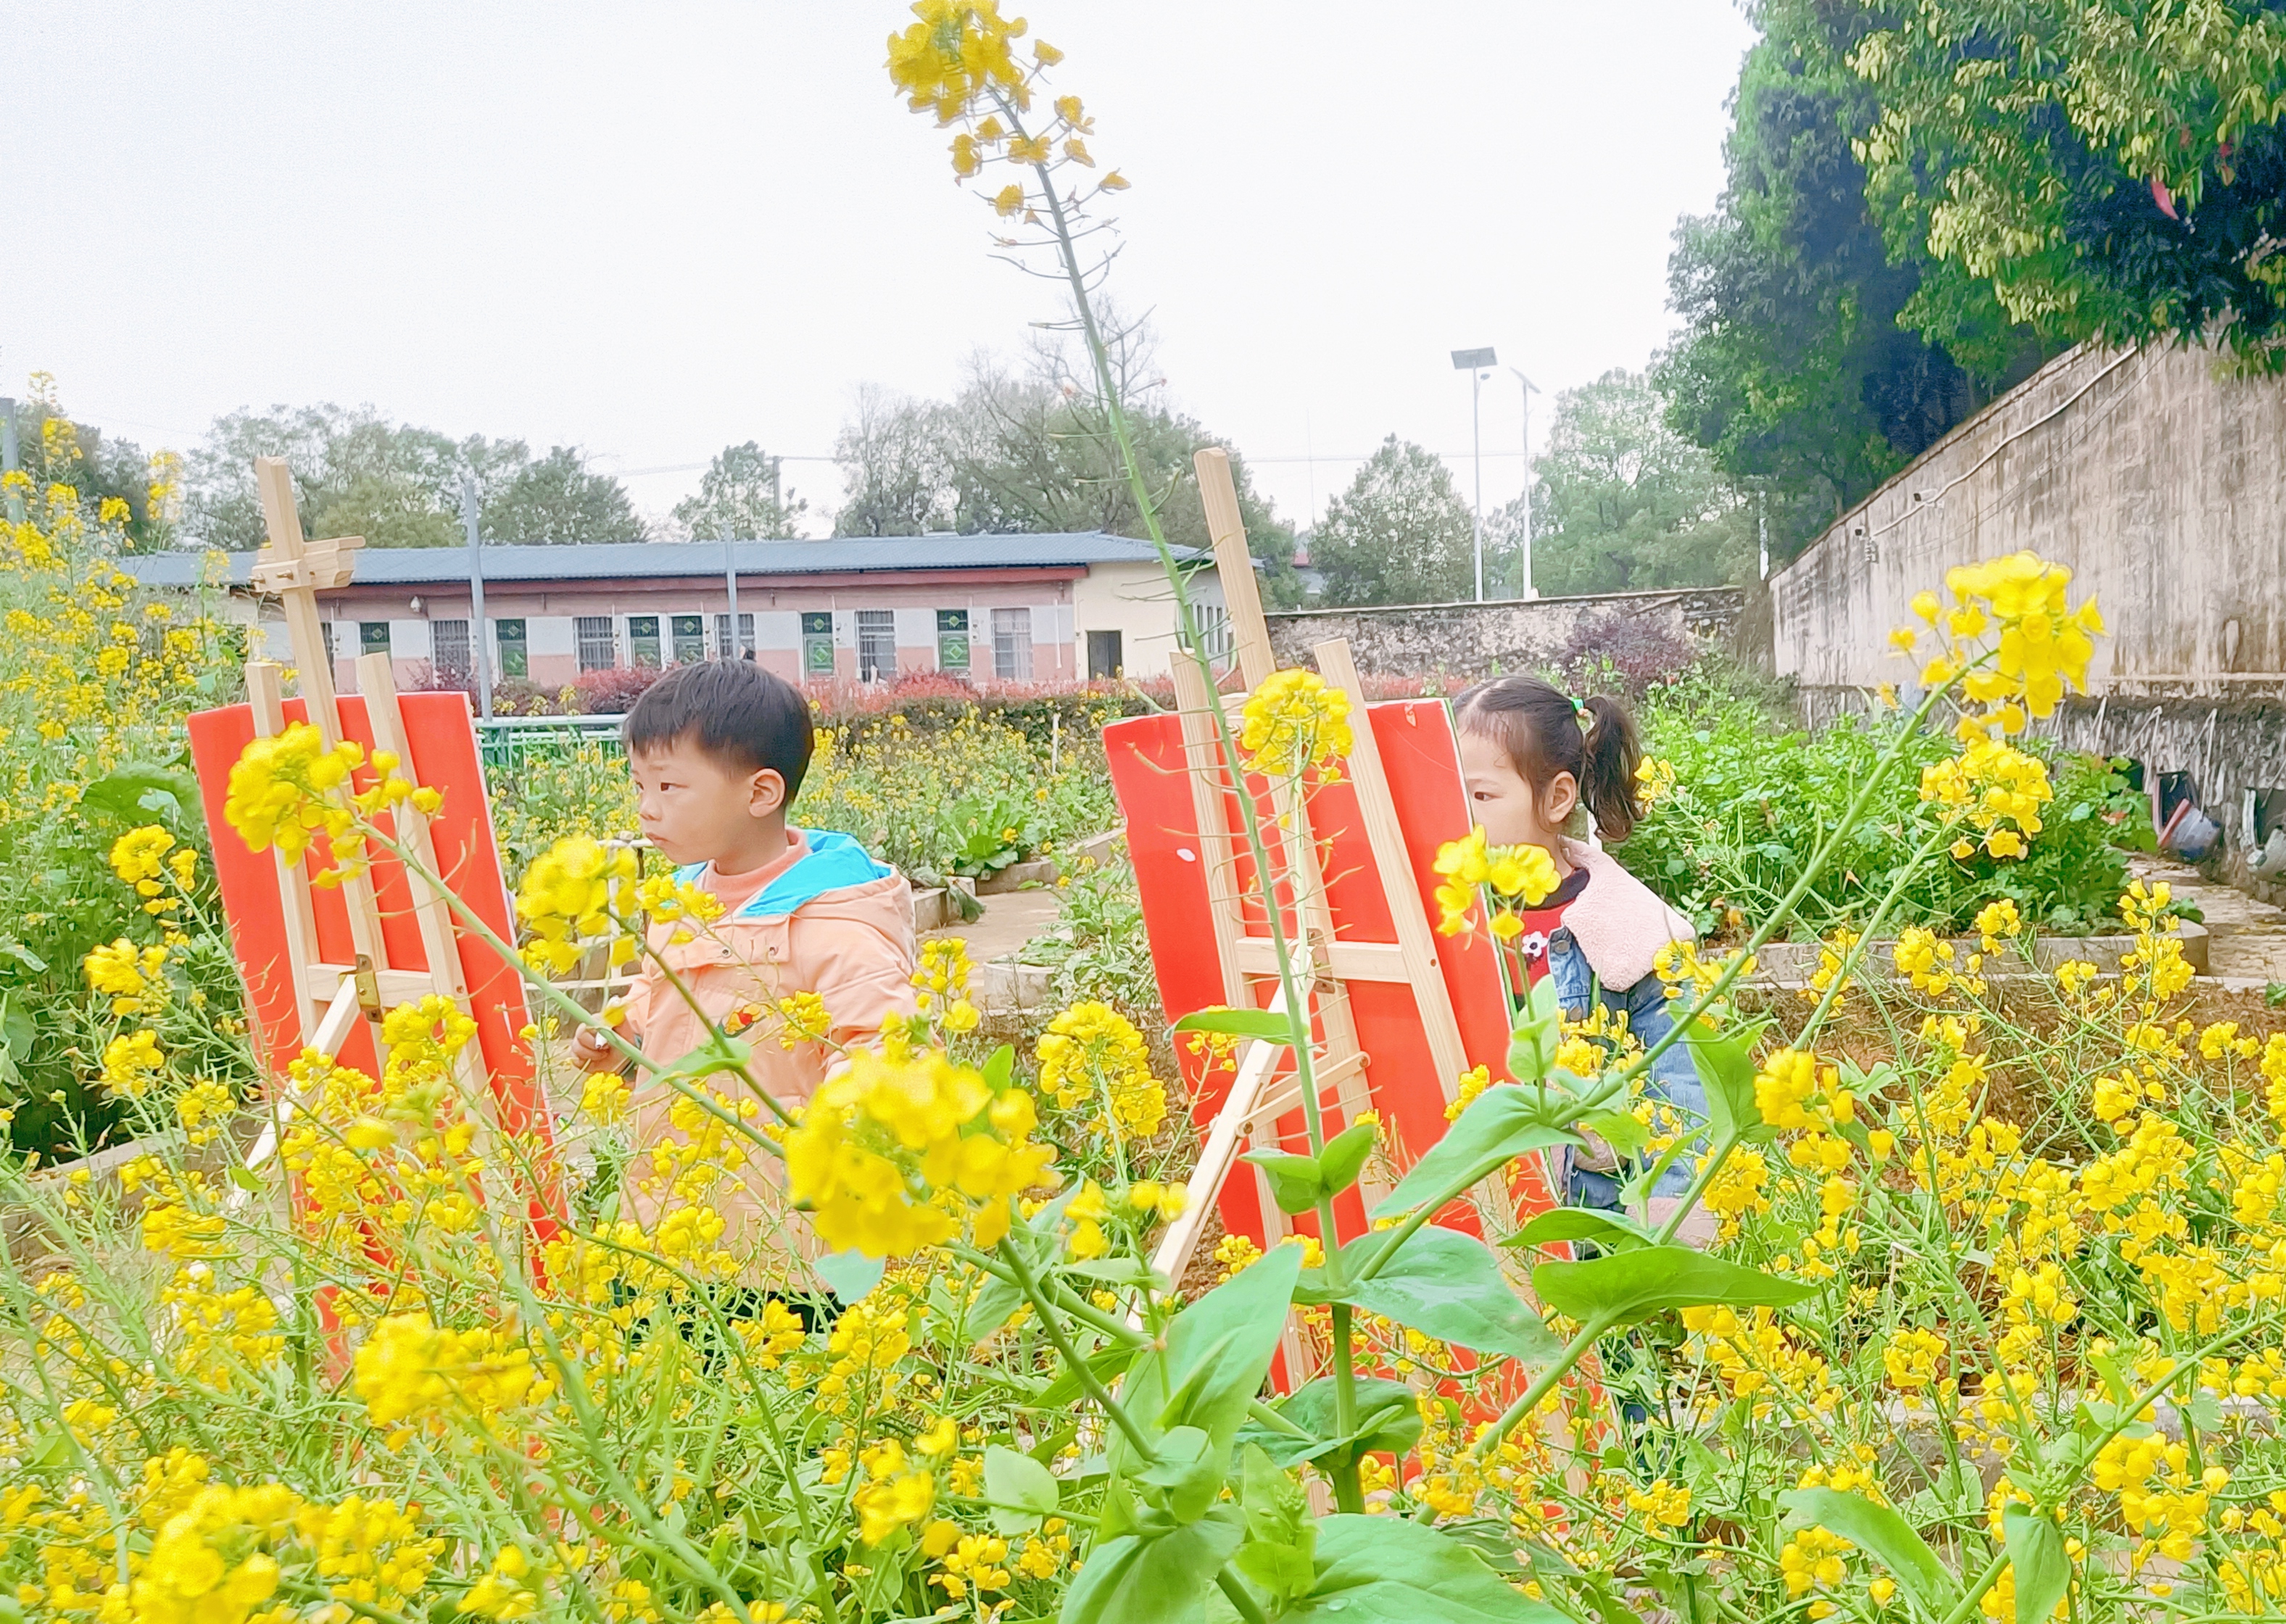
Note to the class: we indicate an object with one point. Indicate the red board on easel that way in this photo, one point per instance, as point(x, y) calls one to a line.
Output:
point(1421, 763)
point(443, 754)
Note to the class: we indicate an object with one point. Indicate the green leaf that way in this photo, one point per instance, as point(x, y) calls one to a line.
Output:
point(849, 1275)
point(2036, 1550)
point(1267, 1026)
point(1626, 1286)
point(1106, 1365)
point(1879, 1530)
point(1448, 1285)
point(1217, 1351)
point(1725, 1061)
point(1533, 1041)
point(1000, 1067)
point(1294, 1182)
point(247, 1178)
point(1613, 1231)
point(1282, 1539)
point(134, 790)
point(1390, 1569)
point(1021, 1491)
point(1344, 1157)
point(1156, 1577)
point(1188, 1474)
point(1618, 1129)
point(1387, 1423)
point(1501, 1124)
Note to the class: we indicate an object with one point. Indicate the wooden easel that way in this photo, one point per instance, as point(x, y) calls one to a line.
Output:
point(1325, 964)
point(331, 998)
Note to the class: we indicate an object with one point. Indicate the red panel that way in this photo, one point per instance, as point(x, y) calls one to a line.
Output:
point(1422, 761)
point(442, 743)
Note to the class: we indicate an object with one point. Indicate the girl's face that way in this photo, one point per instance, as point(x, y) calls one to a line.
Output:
point(1504, 804)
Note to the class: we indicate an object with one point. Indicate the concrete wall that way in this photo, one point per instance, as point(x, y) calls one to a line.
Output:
point(2163, 485)
point(1474, 640)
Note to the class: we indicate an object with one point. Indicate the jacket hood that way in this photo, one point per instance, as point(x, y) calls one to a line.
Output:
point(1618, 922)
point(835, 864)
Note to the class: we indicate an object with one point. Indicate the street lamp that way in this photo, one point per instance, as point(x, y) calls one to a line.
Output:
point(1474, 362)
point(1530, 389)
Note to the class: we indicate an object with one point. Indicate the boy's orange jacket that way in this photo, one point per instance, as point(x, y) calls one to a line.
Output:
point(825, 919)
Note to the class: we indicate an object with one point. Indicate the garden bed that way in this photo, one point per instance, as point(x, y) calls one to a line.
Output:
point(1792, 963)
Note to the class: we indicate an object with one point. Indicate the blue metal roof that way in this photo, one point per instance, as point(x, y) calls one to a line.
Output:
point(414, 566)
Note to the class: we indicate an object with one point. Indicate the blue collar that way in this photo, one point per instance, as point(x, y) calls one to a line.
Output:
point(836, 862)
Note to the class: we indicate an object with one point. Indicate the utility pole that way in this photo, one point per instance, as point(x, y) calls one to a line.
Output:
point(1762, 526)
point(733, 644)
point(480, 631)
point(1475, 361)
point(1530, 389)
point(9, 461)
point(777, 496)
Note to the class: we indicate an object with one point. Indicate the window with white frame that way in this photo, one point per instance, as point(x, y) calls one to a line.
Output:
point(722, 649)
point(448, 647)
point(599, 648)
point(689, 639)
point(1011, 644)
point(877, 644)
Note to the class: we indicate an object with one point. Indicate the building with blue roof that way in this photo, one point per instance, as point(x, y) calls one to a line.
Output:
point(863, 609)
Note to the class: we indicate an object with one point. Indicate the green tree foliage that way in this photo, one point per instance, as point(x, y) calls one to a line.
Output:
point(2103, 169)
point(1792, 368)
point(1399, 534)
point(54, 450)
point(1030, 451)
point(396, 485)
point(557, 500)
point(1927, 200)
point(740, 493)
point(1622, 503)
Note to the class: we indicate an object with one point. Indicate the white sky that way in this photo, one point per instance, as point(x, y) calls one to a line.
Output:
point(655, 229)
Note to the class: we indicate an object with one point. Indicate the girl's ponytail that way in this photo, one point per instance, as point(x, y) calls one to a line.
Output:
point(1544, 732)
point(1612, 753)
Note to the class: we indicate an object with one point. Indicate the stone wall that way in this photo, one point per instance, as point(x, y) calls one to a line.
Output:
point(2162, 484)
point(1475, 640)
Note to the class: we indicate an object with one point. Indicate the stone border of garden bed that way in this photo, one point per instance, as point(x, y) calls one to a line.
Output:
point(1790, 963)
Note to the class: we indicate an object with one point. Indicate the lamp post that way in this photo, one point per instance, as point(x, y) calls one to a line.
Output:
point(1474, 362)
point(480, 640)
point(1530, 389)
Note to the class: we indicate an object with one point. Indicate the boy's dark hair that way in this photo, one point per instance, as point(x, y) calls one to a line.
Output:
point(1544, 733)
point(732, 709)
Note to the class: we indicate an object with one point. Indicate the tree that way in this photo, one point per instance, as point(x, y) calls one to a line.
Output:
point(1622, 503)
point(104, 471)
point(357, 474)
point(1030, 451)
point(1791, 367)
point(1400, 535)
point(740, 493)
point(559, 502)
point(896, 456)
point(2102, 169)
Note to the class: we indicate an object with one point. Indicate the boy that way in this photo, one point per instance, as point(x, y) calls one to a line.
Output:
point(718, 751)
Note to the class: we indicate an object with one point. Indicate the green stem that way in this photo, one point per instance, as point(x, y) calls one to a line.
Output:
point(1576, 1350)
point(1349, 1488)
point(1077, 1365)
point(1239, 1597)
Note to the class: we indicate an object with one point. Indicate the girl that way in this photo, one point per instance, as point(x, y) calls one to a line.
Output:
point(1531, 756)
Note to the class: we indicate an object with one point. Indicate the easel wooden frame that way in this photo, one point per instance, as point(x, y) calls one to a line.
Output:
point(1259, 1095)
point(330, 999)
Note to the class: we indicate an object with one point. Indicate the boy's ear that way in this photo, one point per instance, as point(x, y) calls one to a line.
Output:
point(766, 792)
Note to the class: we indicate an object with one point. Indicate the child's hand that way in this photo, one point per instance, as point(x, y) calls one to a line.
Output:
point(593, 1052)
